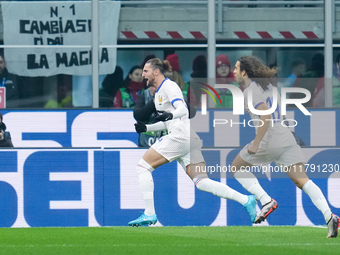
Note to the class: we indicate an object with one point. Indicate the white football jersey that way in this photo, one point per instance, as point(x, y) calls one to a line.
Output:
point(168, 93)
point(277, 135)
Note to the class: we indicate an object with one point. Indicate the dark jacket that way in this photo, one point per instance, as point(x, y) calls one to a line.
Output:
point(7, 141)
point(12, 83)
point(145, 109)
point(146, 112)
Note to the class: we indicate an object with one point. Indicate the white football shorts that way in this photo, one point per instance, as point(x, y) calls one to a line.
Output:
point(285, 156)
point(185, 150)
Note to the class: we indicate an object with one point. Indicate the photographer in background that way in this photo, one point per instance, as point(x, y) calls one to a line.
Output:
point(12, 82)
point(5, 137)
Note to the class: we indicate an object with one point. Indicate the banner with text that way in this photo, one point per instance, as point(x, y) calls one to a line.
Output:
point(60, 24)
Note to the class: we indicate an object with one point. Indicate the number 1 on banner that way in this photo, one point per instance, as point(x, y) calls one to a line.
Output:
point(2, 97)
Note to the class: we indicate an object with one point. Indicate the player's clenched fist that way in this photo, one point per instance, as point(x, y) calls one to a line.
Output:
point(140, 127)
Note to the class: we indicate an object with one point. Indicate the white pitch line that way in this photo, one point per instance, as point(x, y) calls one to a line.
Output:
point(173, 245)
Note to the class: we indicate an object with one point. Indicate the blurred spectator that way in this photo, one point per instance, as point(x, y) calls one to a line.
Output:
point(192, 94)
point(199, 67)
point(224, 75)
point(132, 87)
point(110, 86)
point(175, 75)
point(336, 81)
point(312, 80)
point(5, 137)
point(64, 97)
point(318, 96)
point(298, 67)
point(13, 84)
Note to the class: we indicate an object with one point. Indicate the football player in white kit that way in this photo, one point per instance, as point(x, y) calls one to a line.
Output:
point(273, 143)
point(181, 144)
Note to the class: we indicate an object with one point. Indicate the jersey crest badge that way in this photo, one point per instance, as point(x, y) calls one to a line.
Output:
point(160, 99)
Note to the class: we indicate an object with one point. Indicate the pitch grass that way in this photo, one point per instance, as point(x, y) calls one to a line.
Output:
point(168, 240)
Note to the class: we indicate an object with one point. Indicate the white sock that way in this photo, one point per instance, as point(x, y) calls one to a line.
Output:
point(146, 185)
point(252, 185)
point(219, 189)
point(318, 199)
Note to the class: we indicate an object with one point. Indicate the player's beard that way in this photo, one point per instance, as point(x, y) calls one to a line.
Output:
point(240, 81)
point(150, 83)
